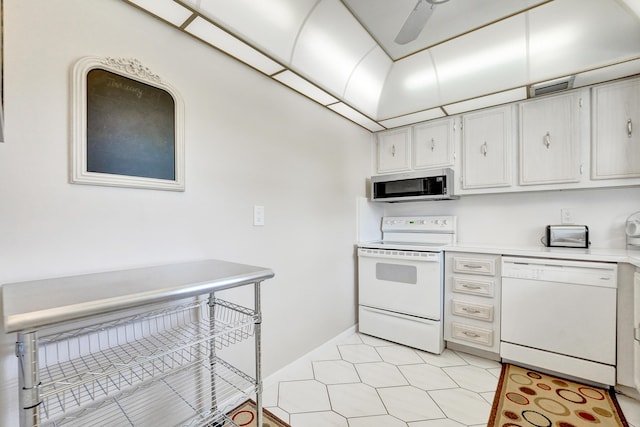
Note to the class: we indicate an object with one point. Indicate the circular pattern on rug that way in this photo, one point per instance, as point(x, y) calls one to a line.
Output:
point(552, 406)
point(536, 418)
point(587, 416)
point(571, 395)
point(544, 386)
point(602, 412)
point(559, 383)
point(511, 415)
point(591, 393)
point(243, 418)
point(535, 375)
point(517, 398)
point(565, 424)
point(520, 379)
point(527, 390)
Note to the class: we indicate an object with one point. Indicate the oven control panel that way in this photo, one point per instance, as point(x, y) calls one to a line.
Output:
point(442, 224)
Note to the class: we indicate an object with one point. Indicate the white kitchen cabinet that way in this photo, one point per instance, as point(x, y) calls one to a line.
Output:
point(615, 146)
point(472, 300)
point(550, 140)
point(433, 144)
point(394, 150)
point(487, 138)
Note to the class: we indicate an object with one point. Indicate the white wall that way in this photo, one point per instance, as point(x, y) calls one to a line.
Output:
point(519, 219)
point(249, 141)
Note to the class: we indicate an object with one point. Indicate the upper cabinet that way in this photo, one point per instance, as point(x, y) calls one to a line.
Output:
point(487, 137)
point(394, 150)
point(616, 130)
point(550, 140)
point(433, 144)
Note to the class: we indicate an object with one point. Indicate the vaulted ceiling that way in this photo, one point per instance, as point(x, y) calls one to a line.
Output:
point(470, 53)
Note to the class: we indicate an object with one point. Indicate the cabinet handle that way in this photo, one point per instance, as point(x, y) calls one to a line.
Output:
point(471, 266)
point(547, 140)
point(393, 150)
point(474, 287)
point(629, 128)
point(484, 149)
point(433, 144)
point(470, 310)
point(471, 334)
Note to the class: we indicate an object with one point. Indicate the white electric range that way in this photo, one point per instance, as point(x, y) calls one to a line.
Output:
point(401, 280)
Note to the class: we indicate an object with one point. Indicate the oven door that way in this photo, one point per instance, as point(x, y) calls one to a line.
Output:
point(406, 282)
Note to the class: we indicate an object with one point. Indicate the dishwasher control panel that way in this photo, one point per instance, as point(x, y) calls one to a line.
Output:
point(562, 271)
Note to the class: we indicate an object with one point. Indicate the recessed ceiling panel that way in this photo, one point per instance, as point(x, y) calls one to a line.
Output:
point(330, 46)
point(411, 86)
point(384, 18)
point(270, 25)
point(575, 35)
point(489, 60)
point(366, 82)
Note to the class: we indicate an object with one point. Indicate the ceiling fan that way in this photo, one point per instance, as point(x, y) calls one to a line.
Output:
point(416, 20)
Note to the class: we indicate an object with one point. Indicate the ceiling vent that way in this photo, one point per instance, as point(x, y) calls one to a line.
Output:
point(551, 86)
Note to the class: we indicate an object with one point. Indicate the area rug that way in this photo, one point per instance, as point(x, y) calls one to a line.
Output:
point(529, 398)
point(244, 415)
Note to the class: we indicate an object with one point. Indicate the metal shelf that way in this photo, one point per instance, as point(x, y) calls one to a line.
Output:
point(101, 369)
point(134, 347)
point(189, 392)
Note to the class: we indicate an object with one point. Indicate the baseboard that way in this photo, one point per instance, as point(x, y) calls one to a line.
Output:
point(277, 376)
point(473, 351)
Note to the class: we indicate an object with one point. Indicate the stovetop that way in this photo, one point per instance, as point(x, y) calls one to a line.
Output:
point(416, 233)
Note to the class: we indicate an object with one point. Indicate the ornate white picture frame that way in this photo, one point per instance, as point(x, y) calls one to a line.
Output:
point(127, 126)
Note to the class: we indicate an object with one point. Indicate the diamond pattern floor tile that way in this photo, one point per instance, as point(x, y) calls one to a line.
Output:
point(409, 403)
point(472, 378)
point(447, 358)
point(303, 396)
point(427, 377)
point(462, 405)
point(380, 374)
point(399, 355)
point(319, 419)
point(377, 421)
point(335, 372)
point(359, 353)
point(363, 381)
point(355, 400)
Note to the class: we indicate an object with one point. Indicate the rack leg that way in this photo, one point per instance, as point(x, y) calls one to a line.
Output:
point(212, 351)
point(258, 339)
point(28, 379)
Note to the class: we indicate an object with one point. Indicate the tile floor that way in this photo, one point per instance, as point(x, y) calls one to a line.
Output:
point(361, 381)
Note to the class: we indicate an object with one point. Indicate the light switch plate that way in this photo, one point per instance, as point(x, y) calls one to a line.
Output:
point(258, 215)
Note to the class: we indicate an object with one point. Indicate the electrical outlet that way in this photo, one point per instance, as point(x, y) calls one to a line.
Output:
point(566, 216)
point(258, 215)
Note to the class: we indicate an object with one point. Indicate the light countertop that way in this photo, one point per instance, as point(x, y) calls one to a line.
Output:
point(591, 254)
point(39, 303)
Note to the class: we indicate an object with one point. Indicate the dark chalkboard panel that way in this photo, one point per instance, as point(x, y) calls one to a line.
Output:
point(131, 127)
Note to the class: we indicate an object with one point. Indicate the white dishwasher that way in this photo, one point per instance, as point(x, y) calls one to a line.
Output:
point(560, 316)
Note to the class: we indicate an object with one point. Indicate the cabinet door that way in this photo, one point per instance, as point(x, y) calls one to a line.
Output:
point(486, 140)
point(616, 144)
point(433, 144)
point(549, 140)
point(393, 150)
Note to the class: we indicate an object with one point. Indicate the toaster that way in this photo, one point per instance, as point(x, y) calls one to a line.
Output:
point(567, 236)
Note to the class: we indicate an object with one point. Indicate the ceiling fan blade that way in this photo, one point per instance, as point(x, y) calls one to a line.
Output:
point(415, 22)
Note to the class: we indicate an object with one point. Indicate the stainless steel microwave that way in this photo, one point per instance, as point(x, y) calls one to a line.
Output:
point(432, 184)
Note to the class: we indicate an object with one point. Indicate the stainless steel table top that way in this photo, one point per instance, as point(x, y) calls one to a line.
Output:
point(35, 304)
